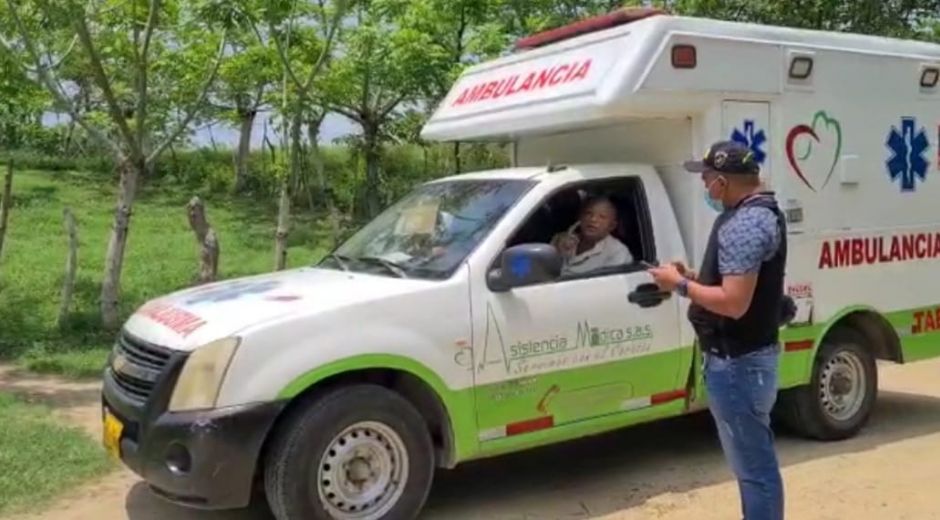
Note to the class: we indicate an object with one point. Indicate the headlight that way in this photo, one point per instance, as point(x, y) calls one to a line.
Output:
point(201, 379)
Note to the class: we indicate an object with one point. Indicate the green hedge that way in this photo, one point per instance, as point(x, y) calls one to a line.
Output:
point(205, 169)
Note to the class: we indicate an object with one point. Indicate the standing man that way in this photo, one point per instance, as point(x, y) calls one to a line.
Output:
point(737, 303)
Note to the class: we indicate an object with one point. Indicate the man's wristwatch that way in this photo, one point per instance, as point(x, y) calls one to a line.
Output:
point(682, 288)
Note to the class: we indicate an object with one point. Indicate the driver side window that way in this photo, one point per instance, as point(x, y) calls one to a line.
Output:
point(599, 227)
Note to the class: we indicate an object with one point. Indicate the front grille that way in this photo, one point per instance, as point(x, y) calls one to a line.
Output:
point(144, 354)
point(137, 366)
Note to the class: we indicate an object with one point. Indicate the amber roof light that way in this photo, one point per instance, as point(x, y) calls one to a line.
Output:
point(589, 25)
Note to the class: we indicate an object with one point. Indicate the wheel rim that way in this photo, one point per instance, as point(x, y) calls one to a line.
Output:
point(842, 386)
point(363, 472)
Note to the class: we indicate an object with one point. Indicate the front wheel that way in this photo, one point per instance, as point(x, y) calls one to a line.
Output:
point(841, 395)
point(357, 453)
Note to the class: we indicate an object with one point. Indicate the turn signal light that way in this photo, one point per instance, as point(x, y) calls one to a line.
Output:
point(684, 56)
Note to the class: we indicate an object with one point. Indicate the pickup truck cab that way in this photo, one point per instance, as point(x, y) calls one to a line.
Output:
point(450, 328)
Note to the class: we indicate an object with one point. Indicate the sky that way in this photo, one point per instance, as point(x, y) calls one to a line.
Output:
point(334, 126)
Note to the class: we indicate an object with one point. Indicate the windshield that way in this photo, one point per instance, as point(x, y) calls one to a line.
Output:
point(429, 232)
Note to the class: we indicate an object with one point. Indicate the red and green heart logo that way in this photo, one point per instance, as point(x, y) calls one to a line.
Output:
point(822, 137)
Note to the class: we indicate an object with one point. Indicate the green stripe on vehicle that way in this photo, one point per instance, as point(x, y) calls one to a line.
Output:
point(572, 403)
point(458, 404)
point(797, 367)
point(579, 429)
point(582, 393)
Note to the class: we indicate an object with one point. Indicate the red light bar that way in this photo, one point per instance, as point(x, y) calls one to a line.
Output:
point(589, 25)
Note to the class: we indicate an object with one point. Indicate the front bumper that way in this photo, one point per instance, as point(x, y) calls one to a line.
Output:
point(206, 460)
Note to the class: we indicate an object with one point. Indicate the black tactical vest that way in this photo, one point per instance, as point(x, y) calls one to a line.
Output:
point(759, 327)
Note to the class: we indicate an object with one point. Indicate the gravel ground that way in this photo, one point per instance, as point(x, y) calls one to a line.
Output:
point(671, 470)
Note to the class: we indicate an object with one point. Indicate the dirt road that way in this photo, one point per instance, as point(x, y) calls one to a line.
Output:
point(671, 470)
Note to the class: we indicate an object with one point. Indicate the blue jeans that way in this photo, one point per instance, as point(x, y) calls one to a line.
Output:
point(741, 394)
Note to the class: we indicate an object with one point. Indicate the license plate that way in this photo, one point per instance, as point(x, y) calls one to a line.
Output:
point(113, 428)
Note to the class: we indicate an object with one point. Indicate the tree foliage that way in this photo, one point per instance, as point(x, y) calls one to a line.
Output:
point(382, 65)
point(150, 63)
point(136, 76)
point(895, 18)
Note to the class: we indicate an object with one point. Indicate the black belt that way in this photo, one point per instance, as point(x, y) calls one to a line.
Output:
point(727, 354)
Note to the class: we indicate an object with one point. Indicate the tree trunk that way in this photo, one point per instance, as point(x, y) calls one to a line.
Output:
point(175, 160)
point(316, 159)
point(283, 225)
point(264, 155)
point(207, 240)
point(373, 158)
point(215, 147)
point(302, 184)
point(114, 261)
point(424, 154)
point(6, 203)
point(70, 131)
point(319, 169)
point(457, 165)
point(244, 148)
point(71, 265)
point(283, 210)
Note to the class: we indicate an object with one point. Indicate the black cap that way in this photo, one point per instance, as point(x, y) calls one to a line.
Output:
point(729, 157)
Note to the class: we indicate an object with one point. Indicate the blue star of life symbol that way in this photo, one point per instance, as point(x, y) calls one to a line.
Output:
point(752, 137)
point(232, 291)
point(908, 149)
point(520, 266)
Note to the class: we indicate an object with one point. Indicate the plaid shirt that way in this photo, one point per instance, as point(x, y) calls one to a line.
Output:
point(747, 240)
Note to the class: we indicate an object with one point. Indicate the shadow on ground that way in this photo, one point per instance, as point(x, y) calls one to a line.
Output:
point(602, 475)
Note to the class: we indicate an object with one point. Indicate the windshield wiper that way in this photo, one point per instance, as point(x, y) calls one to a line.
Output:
point(341, 261)
point(392, 267)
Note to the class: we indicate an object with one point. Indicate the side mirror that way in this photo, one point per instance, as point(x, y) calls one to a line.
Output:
point(526, 264)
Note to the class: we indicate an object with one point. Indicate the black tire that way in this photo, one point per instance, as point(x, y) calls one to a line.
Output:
point(803, 408)
point(292, 473)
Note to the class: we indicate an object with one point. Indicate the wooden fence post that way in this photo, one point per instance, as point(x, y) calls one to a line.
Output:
point(71, 266)
point(6, 202)
point(207, 240)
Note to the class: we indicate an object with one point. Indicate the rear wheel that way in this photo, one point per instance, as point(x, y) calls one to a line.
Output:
point(842, 392)
point(357, 453)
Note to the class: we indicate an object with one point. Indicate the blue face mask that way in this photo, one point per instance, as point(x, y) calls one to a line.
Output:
point(716, 205)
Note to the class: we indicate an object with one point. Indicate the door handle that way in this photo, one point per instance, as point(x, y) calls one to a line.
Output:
point(648, 295)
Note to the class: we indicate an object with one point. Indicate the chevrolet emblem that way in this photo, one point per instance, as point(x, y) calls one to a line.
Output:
point(119, 363)
point(124, 366)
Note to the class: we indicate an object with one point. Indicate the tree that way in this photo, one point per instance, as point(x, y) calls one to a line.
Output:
point(895, 18)
point(298, 30)
point(382, 65)
point(524, 17)
point(464, 32)
point(153, 65)
point(21, 101)
point(246, 79)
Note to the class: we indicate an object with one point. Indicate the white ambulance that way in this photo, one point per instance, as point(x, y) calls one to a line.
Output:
point(420, 343)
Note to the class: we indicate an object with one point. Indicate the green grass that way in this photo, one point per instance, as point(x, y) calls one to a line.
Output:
point(161, 257)
point(41, 458)
point(80, 364)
